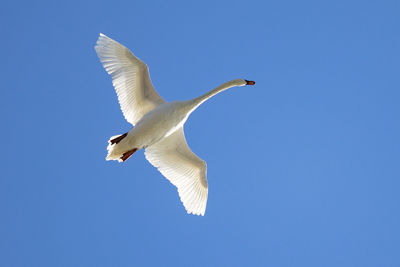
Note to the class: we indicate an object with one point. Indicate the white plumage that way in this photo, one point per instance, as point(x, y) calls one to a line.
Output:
point(130, 77)
point(158, 124)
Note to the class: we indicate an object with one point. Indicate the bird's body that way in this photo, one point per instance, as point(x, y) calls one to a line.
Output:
point(152, 127)
point(158, 125)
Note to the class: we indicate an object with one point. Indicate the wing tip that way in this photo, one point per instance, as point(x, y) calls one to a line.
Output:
point(198, 207)
point(102, 40)
point(198, 213)
point(102, 35)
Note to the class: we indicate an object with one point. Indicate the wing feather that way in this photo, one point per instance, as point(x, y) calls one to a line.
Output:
point(174, 159)
point(130, 77)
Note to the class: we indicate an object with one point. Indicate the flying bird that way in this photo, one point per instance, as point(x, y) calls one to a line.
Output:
point(158, 125)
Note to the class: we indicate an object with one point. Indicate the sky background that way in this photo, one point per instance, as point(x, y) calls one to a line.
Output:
point(303, 168)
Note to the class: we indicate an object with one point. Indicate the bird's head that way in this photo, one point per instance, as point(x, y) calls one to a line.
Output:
point(250, 82)
point(242, 82)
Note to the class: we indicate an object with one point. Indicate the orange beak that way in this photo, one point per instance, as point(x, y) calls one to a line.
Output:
point(250, 82)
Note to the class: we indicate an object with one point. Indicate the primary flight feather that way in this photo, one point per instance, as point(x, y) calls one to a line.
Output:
point(158, 125)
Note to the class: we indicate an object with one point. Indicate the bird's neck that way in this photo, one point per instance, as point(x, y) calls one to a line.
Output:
point(196, 102)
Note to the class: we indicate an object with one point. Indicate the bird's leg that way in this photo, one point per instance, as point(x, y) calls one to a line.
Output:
point(127, 154)
point(118, 139)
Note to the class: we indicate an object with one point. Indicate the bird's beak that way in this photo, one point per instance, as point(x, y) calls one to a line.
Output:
point(250, 82)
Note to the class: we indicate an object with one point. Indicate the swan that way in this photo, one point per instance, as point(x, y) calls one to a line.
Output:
point(158, 125)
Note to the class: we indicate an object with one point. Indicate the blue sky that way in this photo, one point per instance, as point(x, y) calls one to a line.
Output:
point(303, 168)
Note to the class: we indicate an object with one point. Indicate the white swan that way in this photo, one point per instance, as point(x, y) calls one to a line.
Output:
point(158, 124)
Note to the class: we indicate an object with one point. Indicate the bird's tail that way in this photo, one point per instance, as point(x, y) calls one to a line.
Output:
point(116, 152)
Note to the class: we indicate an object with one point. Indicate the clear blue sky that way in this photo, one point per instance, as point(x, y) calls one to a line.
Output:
point(303, 168)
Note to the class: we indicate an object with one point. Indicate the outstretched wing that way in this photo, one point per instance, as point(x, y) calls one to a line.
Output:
point(130, 77)
point(174, 159)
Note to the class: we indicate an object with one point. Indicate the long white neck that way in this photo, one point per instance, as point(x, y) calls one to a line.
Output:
point(196, 102)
